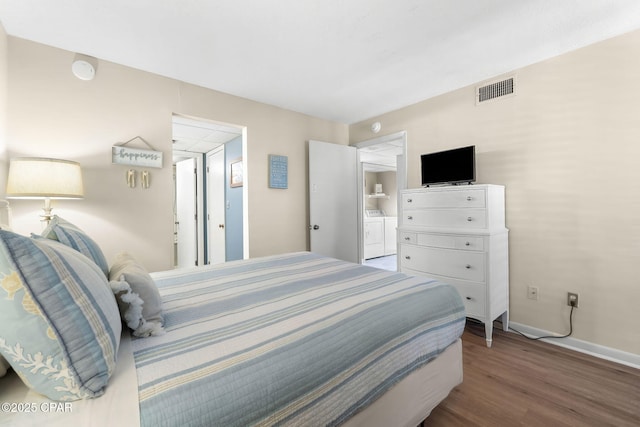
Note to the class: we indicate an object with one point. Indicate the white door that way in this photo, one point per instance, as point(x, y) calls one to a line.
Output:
point(333, 200)
point(187, 229)
point(216, 240)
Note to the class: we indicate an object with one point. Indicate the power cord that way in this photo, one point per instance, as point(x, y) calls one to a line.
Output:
point(551, 336)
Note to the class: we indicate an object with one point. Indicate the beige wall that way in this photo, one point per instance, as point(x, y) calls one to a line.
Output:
point(566, 147)
point(389, 187)
point(53, 114)
point(370, 181)
point(3, 106)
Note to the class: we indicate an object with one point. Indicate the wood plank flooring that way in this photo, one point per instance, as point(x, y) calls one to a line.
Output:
point(519, 382)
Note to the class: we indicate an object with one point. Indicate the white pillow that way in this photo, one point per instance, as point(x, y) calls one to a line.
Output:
point(137, 295)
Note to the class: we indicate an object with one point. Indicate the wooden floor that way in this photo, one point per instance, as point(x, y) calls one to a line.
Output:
point(519, 382)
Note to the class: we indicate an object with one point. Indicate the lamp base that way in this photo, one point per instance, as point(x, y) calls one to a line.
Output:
point(46, 217)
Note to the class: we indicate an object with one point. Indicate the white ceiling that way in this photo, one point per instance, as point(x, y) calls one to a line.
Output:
point(381, 157)
point(342, 60)
point(200, 136)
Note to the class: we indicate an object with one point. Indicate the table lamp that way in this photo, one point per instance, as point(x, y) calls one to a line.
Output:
point(41, 178)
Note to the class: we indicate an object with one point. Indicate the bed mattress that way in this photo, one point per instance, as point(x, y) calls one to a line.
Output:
point(294, 339)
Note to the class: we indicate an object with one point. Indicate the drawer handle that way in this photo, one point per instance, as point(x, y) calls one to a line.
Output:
point(409, 200)
point(469, 198)
point(469, 219)
point(468, 266)
point(407, 238)
point(467, 244)
point(409, 217)
point(469, 299)
point(407, 257)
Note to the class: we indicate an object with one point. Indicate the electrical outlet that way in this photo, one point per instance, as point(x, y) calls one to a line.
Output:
point(532, 292)
point(572, 299)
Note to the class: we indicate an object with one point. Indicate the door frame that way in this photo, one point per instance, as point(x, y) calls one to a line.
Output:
point(401, 179)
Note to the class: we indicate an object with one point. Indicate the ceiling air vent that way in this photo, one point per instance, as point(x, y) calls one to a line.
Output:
point(495, 90)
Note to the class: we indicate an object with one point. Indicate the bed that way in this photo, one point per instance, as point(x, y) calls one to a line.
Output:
point(292, 339)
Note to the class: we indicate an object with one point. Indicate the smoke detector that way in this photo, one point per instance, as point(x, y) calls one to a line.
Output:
point(84, 67)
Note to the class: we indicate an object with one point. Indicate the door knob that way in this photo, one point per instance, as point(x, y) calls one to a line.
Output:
point(314, 227)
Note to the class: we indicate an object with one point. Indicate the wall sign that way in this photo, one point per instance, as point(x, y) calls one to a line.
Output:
point(278, 171)
point(121, 155)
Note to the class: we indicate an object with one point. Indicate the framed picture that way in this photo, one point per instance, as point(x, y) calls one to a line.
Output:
point(278, 171)
point(236, 173)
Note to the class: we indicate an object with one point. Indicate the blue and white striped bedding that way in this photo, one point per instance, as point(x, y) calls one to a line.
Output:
point(295, 339)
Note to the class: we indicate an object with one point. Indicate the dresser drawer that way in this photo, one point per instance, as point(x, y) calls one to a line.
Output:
point(471, 198)
point(465, 265)
point(449, 218)
point(473, 294)
point(449, 241)
point(473, 297)
point(407, 237)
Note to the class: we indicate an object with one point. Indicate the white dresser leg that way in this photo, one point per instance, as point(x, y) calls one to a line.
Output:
point(505, 321)
point(488, 331)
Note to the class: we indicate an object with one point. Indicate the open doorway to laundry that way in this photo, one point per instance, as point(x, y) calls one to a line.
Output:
point(382, 171)
point(210, 211)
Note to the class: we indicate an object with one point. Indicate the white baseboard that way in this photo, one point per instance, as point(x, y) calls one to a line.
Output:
point(596, 350)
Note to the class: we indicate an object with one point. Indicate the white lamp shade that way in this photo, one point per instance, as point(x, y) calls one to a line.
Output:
point(36, 178)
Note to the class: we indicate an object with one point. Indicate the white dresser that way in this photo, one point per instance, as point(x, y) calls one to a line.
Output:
point(457, 235)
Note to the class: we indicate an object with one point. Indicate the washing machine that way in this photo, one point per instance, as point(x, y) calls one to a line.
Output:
point(374, 230)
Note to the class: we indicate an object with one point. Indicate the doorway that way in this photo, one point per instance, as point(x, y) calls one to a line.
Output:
point(185, 208)
point(210, 217)
point(382, 175)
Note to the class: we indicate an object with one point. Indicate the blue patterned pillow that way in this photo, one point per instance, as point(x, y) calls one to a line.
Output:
point(59, 322)
point(67, 233)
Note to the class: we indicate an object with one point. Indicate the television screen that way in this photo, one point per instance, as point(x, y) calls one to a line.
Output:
point(449, 167)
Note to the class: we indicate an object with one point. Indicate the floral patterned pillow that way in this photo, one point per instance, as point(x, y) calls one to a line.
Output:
point(59, 322)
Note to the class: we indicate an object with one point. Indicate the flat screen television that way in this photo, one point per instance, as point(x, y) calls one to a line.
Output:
point(454, 166)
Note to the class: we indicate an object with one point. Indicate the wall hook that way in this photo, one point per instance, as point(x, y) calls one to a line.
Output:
point(131, 178)
point(146, 179)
